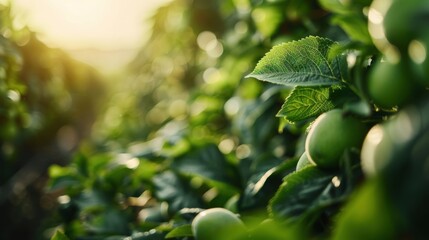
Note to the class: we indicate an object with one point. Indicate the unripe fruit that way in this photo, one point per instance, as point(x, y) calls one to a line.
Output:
point(405, 21)
point(390, 85)
point(217, 223)
point(388, 143)
point(330, 135)
point(377, 149)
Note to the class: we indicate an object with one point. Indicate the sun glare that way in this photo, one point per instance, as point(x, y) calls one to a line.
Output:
point(83, 24)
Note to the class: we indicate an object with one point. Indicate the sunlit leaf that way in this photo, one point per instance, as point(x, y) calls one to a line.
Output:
point(306, 102)
point(274, 230)
point(59, 236)
point(306, 62)
point(336, 6)
point(344, 7)
point(355, 26)
point(63, 177)
point(267, 18)
point(182, 231)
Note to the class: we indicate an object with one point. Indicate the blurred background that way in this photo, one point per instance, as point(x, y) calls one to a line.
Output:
point(105, 34)
point(117, 114)
point(59, 60)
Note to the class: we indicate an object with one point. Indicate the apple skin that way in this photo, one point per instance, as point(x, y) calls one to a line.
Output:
point(217, 223)
point(330, 135)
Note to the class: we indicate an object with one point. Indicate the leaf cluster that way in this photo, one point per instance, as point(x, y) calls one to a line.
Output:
point(202, 131)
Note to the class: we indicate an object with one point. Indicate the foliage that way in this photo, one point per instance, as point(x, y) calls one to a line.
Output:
point(195, 127)
point(45, 110)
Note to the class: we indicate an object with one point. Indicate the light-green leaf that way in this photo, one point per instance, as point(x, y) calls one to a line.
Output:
point(355, 26)
point(181, 231)
point(306, 102)
point(336, 6)
point(59, 236)
point(306, 62)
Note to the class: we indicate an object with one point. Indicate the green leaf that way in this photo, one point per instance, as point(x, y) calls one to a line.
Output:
point(265, 180)
point(254, 123)
point(59, 236)
point(274, 230)
point(63, 178)
point(267, 18)
point(344, 7)
point(182, 231)
point(355, 26)
point(336, 6)
point(300, 192)
point(90, 199)
point(176, 191)
point(64, 182)
point(369, 208)
point(306, 102)
point(207, 162)
point(306, 62)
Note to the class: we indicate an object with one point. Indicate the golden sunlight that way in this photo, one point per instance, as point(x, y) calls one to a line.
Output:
point(86, 24)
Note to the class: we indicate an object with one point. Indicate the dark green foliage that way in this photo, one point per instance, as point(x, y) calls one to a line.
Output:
point(205, 135)
point(194, 128)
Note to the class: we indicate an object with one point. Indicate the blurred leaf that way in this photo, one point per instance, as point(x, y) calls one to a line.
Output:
point(110, 221)
point(59, 235)
point(80, 160)
point(149, 235)
point(344, 7)
point(368, 215)
point(272, 230)
point(336, 6)
point(181, 231)
point(105, 222)
point(254, 123)
point(264, 182)
point(146, 170)
point(300, 192)
point(117, 178)
point(91, 199)
point(63, 182)
point(171, 188)
point(97, 163)
point(267, 18)
point(153, 215)
point(355, 26)
point(207, 162)
point(63, 177)
point(305, 62)
point(117, 238)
